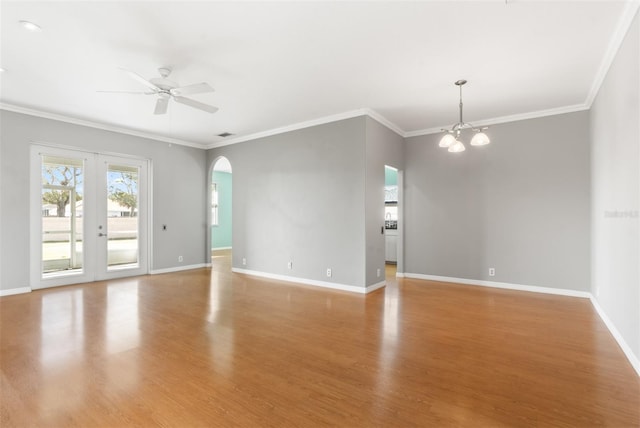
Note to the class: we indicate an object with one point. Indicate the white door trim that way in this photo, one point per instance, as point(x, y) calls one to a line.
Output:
point(89, 272)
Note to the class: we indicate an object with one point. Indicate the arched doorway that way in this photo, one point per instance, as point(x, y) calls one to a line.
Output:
point(220, 216)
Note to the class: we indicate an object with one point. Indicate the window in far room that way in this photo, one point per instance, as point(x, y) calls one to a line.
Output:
point(214, 204)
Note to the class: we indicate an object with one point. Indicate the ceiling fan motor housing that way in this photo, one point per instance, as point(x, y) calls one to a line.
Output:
point(163, 83)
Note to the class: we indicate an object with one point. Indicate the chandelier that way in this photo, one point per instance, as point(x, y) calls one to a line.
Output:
point(451, 139)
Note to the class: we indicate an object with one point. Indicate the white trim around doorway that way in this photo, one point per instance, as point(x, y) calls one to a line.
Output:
point(88, 273)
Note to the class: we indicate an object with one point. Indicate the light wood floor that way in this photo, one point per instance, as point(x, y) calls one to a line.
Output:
point(211, 348)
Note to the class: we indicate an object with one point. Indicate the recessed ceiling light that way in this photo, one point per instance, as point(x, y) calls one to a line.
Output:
point(27, 25)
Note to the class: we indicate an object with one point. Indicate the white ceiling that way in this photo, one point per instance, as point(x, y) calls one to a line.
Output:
point(275, 64)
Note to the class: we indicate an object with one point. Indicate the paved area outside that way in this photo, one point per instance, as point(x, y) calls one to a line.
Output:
point(56, 255)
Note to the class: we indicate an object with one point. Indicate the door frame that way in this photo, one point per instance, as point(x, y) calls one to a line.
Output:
point(400, 230)
point(208, 240)
point(89, 272)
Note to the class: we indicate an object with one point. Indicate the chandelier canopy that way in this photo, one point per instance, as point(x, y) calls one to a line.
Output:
point(451, 138)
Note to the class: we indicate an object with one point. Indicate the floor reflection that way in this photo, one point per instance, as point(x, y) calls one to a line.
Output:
point(221, 349)
point(122, 323)
point(389, 336)
point(62, 348)
point(62, 328)
point(221, 332)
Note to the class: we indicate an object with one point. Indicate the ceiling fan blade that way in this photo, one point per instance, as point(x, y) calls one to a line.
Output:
point(141, 79)
point(196, 104)
point(161, 105)
point(196, 88)
point(127, 92)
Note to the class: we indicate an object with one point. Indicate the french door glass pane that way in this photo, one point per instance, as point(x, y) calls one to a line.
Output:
point(122, 217)
point(62, 225)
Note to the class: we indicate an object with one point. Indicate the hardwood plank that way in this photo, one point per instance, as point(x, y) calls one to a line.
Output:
point(211, 348)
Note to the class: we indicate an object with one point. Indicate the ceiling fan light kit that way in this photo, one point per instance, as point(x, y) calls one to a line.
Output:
point(167, 90)
point(451, 138)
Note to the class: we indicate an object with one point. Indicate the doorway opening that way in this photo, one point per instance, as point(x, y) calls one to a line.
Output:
point(391, 220)
point(221, 192)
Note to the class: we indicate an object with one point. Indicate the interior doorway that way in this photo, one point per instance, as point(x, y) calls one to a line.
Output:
point(392, 219)
point(221, 196)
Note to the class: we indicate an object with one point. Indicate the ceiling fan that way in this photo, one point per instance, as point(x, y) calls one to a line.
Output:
point(166, 90)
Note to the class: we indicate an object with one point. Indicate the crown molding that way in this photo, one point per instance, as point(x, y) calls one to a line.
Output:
point(506, 119)
point(385, 122)
point(624, 23)
point(310, 123)
point(288, 128)
point(96, 125)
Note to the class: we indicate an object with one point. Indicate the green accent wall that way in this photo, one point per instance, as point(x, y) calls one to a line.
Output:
point(390, 176)
point(221, 234)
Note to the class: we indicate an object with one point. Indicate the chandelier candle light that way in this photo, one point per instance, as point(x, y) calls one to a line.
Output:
point(451, 139)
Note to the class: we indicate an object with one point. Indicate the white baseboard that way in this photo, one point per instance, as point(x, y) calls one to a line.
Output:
point(220, 248)
point(633, 359)
point(286, 278)
point(375, 287)
point(399, 275)
point(12, 291)
point(177, 269)
point(504, 285)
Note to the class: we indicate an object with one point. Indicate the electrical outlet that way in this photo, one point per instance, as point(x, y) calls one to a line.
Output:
point(180, 258)
point(378, 273)
point(290, 265)
point(492, 271)
point(329, 272)
point(244, 261)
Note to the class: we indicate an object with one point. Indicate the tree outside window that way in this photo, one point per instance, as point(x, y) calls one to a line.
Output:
point(67, 176)
point(123, 189)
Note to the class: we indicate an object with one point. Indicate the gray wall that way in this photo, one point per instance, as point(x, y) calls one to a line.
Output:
point(383, 147)
point(179, 190)
point(519, 205)
point(300, 196)
point(615, 139)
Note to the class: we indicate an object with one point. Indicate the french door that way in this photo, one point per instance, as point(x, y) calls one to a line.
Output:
point(89, 216)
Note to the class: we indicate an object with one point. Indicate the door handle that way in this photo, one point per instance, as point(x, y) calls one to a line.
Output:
point(102, 234)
